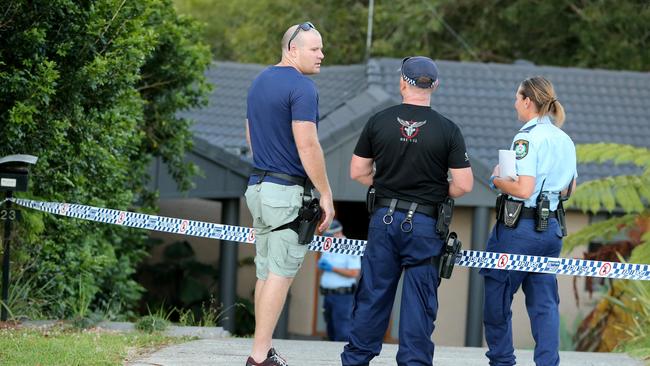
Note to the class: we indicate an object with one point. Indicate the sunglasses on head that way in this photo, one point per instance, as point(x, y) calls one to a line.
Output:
point(304, 26)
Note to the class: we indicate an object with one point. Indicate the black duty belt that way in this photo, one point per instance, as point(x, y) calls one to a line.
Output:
point(338, 291)
point(428, 210)
point(299, 181)
point(529, 213)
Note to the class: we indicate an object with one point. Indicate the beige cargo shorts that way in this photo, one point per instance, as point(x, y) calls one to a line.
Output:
point(273, 205)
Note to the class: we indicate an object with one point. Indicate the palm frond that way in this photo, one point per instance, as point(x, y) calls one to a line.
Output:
point(599, 230)
point(616, 153)
point(629, 192)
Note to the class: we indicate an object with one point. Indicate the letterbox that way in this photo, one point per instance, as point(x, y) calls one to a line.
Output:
point(14, 172)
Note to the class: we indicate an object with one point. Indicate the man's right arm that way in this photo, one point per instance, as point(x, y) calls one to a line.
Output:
point(361, 170)
point(248, 138)
point(311, 155)
point(462, 181)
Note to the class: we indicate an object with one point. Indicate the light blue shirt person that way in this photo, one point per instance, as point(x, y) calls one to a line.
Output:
point(331, 263)
point(547, 153)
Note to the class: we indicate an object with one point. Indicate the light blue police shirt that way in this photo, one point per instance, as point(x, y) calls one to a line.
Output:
point(547, 153)
point(334, 280)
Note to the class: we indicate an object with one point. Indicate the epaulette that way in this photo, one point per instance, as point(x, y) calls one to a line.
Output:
point(527, 129)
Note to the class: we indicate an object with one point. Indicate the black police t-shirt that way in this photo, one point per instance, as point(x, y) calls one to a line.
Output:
point(412, 147)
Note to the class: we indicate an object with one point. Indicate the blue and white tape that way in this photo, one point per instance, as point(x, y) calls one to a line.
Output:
point(469, 258)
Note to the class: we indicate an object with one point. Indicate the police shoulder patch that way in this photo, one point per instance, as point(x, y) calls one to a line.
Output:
point(521, 148)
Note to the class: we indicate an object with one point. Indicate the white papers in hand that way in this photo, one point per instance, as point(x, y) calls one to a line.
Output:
point(507, 165)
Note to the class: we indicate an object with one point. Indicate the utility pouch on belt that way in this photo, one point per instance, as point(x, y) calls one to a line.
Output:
point(448, 257)
point(445, 213)
point(499, 207)
point(370, 199)
point(512, 212)
point(308, 218)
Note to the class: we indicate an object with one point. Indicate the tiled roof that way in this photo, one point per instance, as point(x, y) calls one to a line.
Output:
point(221, 123)
point(601, 105)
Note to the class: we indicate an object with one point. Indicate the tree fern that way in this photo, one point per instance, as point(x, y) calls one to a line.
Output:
point(617, 153)
point(629, 194)
point(602, 229)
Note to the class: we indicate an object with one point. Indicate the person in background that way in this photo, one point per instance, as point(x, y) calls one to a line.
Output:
point(337, 285)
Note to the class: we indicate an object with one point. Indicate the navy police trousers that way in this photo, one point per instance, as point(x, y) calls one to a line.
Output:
point(389, 252)
point(337, 312)
point(541, 292)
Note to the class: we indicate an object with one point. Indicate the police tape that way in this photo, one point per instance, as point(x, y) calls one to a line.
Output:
point(469, 258)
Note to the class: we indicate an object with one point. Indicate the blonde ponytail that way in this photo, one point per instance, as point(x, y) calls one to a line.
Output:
point(542, 94)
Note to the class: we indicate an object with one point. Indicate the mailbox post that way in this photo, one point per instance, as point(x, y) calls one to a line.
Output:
point(14, 175)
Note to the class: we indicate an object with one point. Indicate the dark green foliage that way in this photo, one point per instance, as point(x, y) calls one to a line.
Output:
point(92, 89)
point(609, 34)
point(251, 30)
point(179, 281)
point(244, 318)
point(184, 288)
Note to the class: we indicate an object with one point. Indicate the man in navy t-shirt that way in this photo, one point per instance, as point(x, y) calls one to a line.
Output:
point(281, 130)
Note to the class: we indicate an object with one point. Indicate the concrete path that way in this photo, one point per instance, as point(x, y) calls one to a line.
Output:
point(234, 351)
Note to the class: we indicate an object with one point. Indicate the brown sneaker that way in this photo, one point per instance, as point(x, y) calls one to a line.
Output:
point(272, 359)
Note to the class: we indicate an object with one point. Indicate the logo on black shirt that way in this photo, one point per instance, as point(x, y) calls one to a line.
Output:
point(410, 129)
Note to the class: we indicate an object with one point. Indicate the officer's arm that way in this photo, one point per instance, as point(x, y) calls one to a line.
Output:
point(361, 170)
point(352, 273)
point(521, 188)
point(313, 160)
point(462, 181)
point(248, 137)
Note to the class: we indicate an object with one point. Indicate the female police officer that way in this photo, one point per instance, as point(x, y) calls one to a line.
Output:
point(527, 224)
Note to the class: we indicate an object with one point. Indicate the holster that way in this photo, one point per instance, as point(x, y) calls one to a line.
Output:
point(447, 258)
point(308, 218)
point(561, 218)
point(561, 213)
point(445, 213)
point(370, 199)
point(510, 212)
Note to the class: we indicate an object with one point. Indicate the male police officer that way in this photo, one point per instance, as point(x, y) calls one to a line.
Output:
point(413, 147)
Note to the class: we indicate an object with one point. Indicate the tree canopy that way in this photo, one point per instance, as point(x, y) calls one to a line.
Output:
point(92, 89)
point(609, 34)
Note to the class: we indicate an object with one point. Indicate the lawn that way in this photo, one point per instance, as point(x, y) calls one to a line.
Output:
point(60, 345)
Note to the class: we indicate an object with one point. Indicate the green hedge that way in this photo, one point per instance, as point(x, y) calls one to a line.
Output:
point(93, 89)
